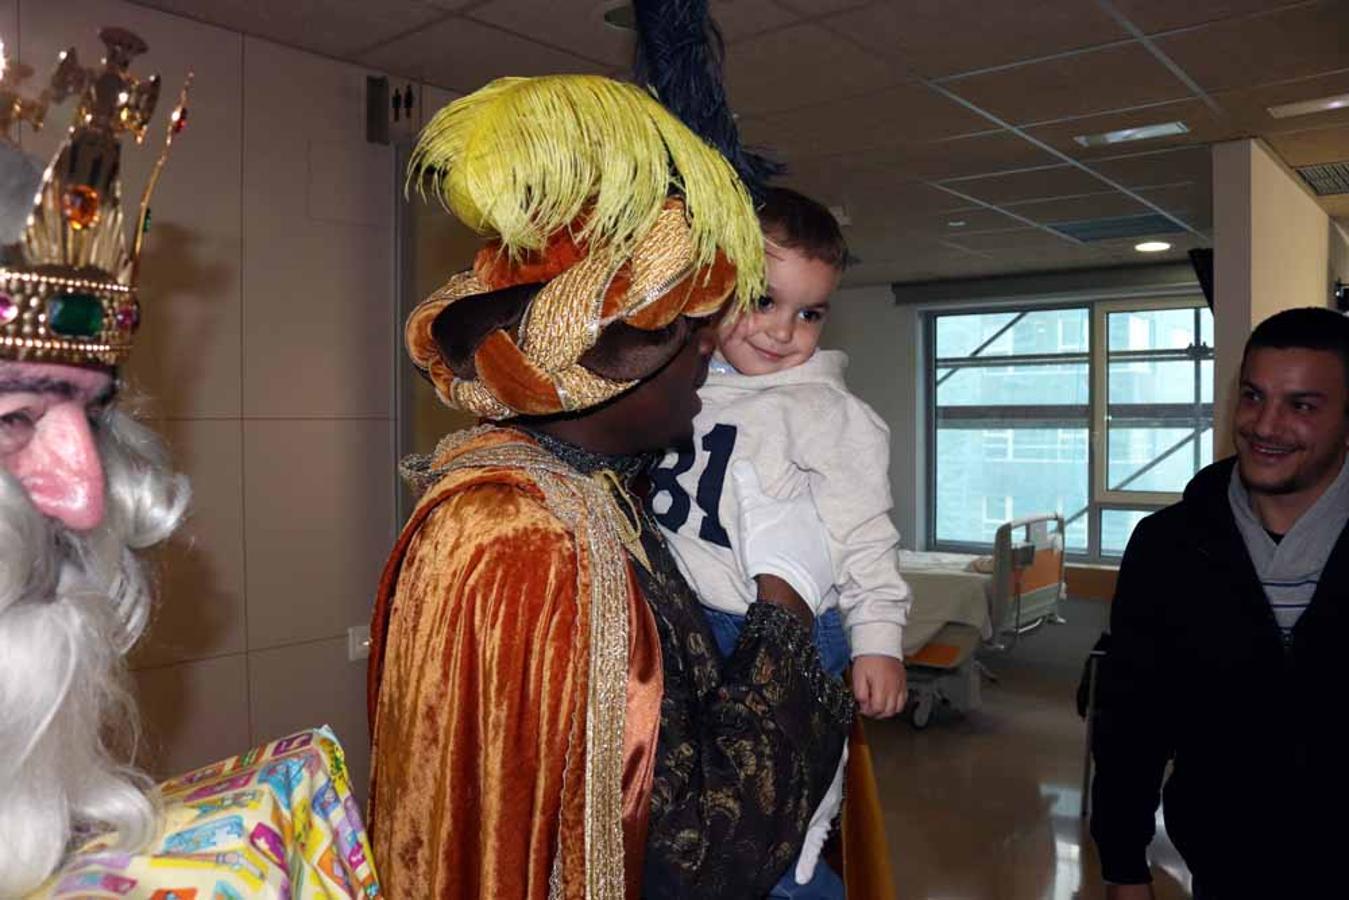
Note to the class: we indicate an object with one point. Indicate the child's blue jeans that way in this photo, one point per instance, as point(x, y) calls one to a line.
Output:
point(832, 643)
point(829, 636)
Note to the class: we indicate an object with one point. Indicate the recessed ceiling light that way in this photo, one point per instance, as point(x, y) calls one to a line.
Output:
point(1152, 246)
point(1307, 107)
point(1142, 133)
point(621, 16)
point(956, 223)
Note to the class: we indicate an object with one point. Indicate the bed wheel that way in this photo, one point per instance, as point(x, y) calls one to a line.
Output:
point(922, 712)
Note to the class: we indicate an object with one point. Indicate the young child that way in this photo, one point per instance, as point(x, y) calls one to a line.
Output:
point(775, 400)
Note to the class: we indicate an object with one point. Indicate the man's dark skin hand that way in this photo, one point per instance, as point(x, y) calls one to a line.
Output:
point(773, 589)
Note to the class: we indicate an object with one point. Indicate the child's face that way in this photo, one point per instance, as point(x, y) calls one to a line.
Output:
point(782, 328)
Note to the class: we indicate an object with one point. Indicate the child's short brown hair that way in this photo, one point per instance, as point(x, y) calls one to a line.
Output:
point(807, 226)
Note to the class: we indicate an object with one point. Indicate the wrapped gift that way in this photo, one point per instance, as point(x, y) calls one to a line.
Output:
point(278, 821)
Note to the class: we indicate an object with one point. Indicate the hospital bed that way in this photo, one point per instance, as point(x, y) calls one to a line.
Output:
point(963, 602)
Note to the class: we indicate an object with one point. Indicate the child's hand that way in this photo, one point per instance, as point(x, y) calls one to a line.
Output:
point(880, 685)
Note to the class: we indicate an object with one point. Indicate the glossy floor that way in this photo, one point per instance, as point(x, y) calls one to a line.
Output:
point(987, 806)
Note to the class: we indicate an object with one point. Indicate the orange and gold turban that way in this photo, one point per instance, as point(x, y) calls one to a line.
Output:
point(609, 225)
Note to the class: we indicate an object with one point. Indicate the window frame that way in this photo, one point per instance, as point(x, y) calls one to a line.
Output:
point(1099, 496)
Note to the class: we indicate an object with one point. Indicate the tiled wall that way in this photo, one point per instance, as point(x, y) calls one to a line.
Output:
point(267, 359)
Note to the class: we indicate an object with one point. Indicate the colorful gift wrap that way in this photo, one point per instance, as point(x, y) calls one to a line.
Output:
point(278, 821)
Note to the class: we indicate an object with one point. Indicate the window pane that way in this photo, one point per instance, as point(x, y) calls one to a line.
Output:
point(1152, 329)
point(1159, 409)
point(1133, 450)
point(1153, 381)
point(1024, 385)
point(961, 335)
point(1041, 331)
point(986, 477)
point(1116, 527)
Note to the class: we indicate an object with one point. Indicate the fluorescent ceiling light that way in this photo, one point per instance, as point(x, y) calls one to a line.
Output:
point(1152, 246)
point(1307, 107)
point(1142, 133)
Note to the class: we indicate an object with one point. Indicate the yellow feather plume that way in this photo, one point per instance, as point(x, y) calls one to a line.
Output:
point(523, 157)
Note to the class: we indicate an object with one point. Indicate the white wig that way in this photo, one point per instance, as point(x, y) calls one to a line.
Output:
point(71, 607)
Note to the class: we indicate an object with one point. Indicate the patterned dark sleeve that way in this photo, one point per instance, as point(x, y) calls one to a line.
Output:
point(746, 751)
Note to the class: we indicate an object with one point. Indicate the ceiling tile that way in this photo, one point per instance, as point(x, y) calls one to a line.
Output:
point(1024, 239)
point(1191, 203)
point(905, 218)
point(1106, 205)
point(738, 19)
point(911, 259)
point(937, 39)
point(1083, 84)
point(821, 7)
point(1312, 147)
point(1038, 184)
point(886, 118)
point(831, 182)
point(931, 236)
point(463, 55)
point(1152, 16)
point(1204, 127)
point(977, 154)
point(1249, 108)
point(881, 205)
point(1291, 43)
point(956, 222)
point(783, 70)
point(582, 32)
point(338, 28)
point(1190, 165)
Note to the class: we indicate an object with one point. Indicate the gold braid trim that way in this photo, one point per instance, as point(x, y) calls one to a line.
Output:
point(587, 506)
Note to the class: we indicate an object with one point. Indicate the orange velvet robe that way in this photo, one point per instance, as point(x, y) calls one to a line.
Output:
point(478, 690)
point(478, 684)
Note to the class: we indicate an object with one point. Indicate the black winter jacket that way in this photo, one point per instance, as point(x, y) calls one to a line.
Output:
point(1198, 674)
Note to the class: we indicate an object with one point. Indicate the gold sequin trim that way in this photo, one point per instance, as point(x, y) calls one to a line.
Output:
point(662, 260)
point(581, 388)
point(561, 323)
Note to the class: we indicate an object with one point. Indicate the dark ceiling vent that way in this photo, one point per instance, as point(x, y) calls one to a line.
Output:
point(1089, 230)
point(1332, 178)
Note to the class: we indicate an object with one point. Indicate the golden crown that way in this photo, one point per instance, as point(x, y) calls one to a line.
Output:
point(67, 270)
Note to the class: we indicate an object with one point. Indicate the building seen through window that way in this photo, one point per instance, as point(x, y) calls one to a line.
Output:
point(1100, 412)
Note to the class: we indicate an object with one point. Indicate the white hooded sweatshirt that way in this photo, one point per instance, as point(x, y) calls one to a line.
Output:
point(804, 432)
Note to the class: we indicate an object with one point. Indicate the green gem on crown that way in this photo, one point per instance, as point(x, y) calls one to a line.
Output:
point(75, 315)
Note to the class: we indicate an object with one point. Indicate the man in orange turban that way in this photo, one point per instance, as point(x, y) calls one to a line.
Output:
point(550, 714)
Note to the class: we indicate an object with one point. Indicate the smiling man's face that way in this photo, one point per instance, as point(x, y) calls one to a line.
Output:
point(1292, 420)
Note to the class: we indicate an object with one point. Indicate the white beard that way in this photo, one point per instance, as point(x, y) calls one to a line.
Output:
point(71, 607)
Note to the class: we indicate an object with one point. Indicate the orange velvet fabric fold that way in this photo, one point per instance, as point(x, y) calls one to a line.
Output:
point(513, 377)
point(478, 680)
point(646, 685)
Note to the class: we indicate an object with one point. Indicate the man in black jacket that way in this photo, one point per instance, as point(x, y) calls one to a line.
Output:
point(1228, 635)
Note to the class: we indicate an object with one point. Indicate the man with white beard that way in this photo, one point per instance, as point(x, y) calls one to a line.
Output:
point(83, 488)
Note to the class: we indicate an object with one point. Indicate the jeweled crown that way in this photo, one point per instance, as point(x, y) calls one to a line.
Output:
point(68, 270)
